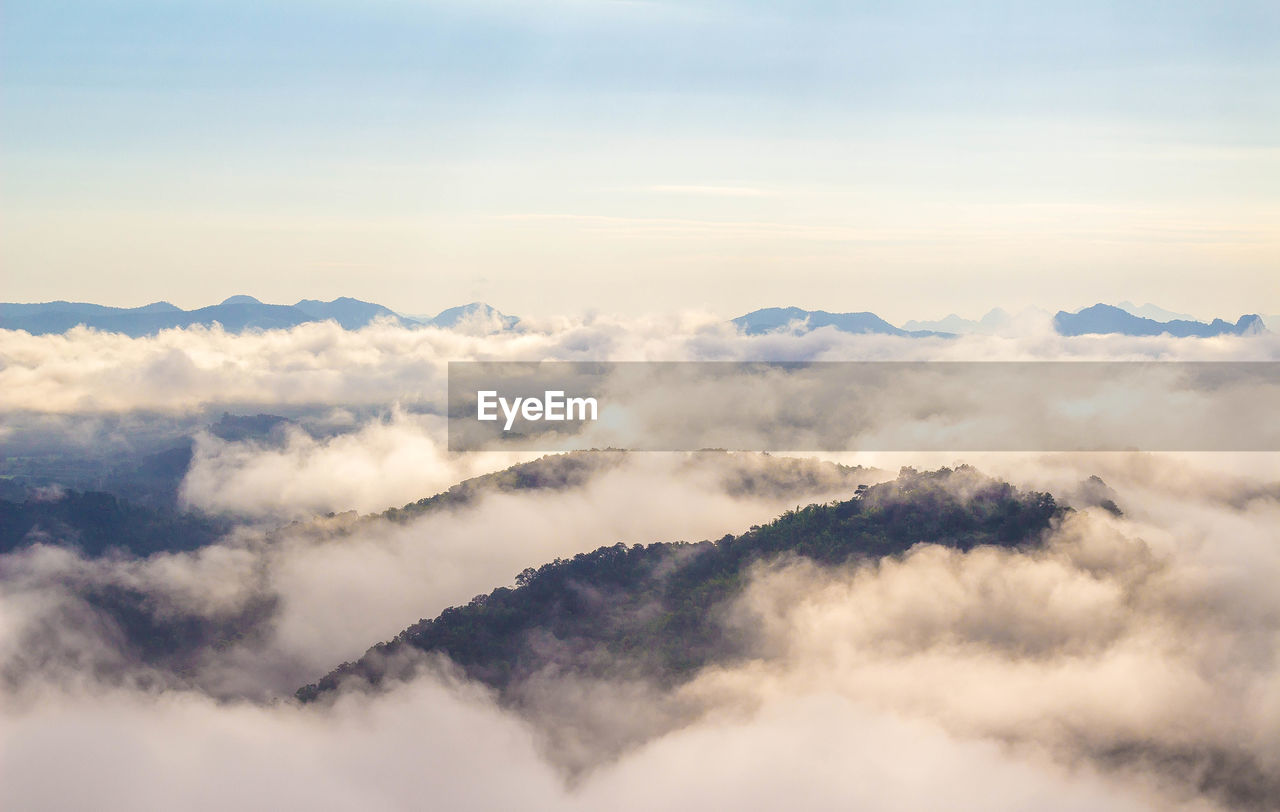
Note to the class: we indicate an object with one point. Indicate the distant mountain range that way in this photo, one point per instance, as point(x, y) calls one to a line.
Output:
point(772, 319)
point(240, 313)
point(1100, 318)
point(1150, 311)
point(993, 322)
point(236, 314)
point(1104, 319)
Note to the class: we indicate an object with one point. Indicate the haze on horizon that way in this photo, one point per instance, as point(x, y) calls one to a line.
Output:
point(566, 156)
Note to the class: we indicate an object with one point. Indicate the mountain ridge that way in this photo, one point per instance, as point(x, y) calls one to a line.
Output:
point(774, 319)
point(235, 313)
point(1103, 319)
point(241, 312)
point(654, 606)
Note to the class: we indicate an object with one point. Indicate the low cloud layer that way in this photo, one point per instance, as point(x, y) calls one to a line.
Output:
point(315, 364)
point(383, 462)
point(1132, 663)
point(264, 611)
point(1148, 657)
point(1129, 664)
point(436, 744)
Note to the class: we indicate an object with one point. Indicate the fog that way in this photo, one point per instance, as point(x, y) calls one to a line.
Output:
point(384, 461)
point(296, 600)
point(1130, 662)
point(436, 744)
point(320, 363)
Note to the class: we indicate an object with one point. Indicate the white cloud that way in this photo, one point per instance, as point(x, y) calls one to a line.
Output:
point(1128, 665)
point(176, 371)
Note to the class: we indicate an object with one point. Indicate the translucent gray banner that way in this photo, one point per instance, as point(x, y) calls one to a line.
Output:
point(865, 406)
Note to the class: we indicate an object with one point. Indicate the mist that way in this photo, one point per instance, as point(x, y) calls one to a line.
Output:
point(179, 370)
point(1129, 662)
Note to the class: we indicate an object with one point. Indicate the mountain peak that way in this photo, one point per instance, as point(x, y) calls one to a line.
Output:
point(158, 307)
point(1250, 324)
point(474, 312)
point(771, 319)
point(1154, 312)
point(240, 299)
point(1104, 318)
point(350, 313)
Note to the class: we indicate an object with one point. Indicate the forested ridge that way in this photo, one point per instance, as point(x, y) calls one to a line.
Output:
point(651, 609)
point(738, 474)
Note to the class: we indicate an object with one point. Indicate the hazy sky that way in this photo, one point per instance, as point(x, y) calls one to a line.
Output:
point(911, 158)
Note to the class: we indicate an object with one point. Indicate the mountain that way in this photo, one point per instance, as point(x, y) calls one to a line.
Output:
point(60, 316)
point(740, 475)
point(476, 315)
point(140, 618)
point(14, 310)
point(993, 322)
point(1103, 318)
point(1150, 311)
point(240, 313)
point(352, 314)
point(235, 314)
point(772, 319)
point(653, 610)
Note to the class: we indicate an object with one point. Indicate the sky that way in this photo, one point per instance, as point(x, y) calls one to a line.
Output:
point(575, 156)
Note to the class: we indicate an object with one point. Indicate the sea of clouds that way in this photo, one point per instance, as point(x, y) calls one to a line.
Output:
point(1133, 662)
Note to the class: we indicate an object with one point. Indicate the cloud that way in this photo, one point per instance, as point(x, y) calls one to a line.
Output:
point(1130, 664)
point(266, 610)
point(385, 462)
point(1144, 648)
point(319, 364)
point(440, 744)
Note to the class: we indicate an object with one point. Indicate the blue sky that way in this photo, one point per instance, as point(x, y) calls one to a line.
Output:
point(567, 155)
